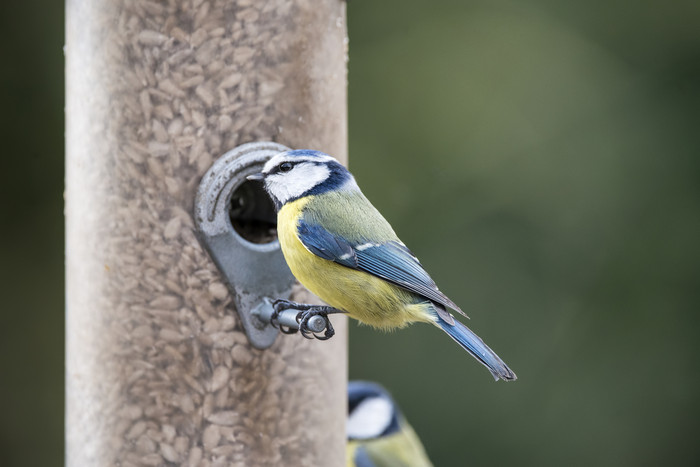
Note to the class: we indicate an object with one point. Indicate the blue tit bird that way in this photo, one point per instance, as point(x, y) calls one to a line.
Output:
point(342, 249)
point(378, 434)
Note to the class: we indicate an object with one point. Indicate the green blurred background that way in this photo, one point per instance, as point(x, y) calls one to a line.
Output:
point(542, 158)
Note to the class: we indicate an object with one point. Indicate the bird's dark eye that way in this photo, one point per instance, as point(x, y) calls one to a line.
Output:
point(286, 166)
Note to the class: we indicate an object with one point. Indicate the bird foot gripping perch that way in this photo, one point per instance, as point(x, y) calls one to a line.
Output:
point(236, 223)
point(292, 317)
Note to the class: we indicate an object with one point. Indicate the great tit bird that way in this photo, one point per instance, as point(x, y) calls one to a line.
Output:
point(378, 434)
point(342, 249)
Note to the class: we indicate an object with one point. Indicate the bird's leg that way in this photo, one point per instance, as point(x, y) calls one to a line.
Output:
point(306, 312)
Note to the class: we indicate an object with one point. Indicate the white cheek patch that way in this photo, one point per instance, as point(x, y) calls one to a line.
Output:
point(370, 418)
point(303, 177)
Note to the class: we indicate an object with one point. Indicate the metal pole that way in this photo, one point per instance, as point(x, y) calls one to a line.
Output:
point(158, 369)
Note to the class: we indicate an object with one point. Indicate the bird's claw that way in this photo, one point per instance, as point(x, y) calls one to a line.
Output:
point(278, 306)
point(303, 318)
point(306, 312)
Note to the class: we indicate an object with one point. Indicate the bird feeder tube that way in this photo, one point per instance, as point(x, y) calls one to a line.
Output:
point(158, 368)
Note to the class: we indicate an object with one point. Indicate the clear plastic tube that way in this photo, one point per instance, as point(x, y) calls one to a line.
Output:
point(158, 369)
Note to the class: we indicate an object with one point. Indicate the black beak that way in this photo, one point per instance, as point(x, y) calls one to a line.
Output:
point(258, 177)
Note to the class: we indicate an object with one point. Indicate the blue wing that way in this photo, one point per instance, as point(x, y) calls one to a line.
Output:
point(325, 245)
point(392, 261)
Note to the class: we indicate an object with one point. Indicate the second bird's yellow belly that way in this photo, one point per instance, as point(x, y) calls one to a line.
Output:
point(363, 296)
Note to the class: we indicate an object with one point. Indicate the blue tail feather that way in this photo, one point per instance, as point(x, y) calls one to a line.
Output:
point(476, 347)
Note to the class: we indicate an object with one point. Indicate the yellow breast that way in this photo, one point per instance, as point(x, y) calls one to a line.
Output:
point(399, 449)
point(363, 296)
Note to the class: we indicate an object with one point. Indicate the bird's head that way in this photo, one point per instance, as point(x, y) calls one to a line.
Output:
point(294, 174)
point(372, 412)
